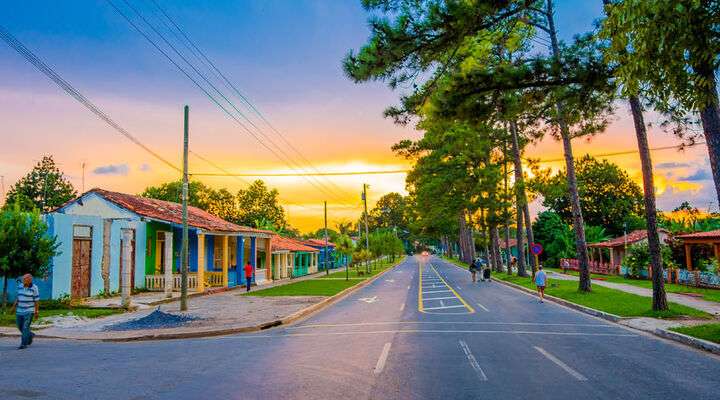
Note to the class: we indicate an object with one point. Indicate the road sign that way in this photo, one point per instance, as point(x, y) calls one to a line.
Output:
point(536, 249)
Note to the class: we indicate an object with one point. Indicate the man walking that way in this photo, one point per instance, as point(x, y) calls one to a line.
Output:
point(540, 282)
point(27, 306)
point(248, 274)
point(473, 270)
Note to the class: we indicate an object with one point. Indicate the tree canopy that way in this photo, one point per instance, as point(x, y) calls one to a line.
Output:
point(44, 188)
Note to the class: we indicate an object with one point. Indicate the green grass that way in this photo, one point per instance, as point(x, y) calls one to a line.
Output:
point(607, 300)
point(354, 271)
point(456, 262)
point(710, 332)
point(55, 309)
point(321, 286)
point(707, 294)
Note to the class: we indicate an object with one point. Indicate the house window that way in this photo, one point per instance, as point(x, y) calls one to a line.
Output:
point(82, 231)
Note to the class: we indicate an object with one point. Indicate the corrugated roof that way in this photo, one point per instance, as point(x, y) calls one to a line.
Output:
point(320, 242)
point(632, 237)
point(172, 212)
point(282, 243)
point(701, 235)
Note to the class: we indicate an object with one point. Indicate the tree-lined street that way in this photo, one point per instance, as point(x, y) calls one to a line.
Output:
point(508, 346)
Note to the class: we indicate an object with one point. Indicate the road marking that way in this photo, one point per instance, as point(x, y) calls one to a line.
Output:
point(390, 280)
point(470, 309)
point(444, 307)
point(408, 287)
point(436, 291)
point(438, 298)
point(561, 364)
point(369, 299)
point(402, 307)
point(473, 362)
point(383, 358)
point(446, 323)
point(483, 307)
point(439, 331)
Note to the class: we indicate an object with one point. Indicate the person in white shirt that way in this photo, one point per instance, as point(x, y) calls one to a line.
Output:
point(540, 282)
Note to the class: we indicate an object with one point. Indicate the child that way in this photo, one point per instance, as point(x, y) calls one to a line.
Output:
point(540, 282)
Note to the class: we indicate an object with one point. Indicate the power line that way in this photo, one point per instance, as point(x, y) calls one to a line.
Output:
point(620, 153)
point(33, 59)
point(228, 84)
point(397, 171)
point(284, 159)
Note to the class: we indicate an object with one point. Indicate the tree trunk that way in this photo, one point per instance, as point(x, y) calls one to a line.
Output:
point(4, 295)
point(530, 236)
point(506, 210)
point(578, 224)
point(495, 239)
point(710, 116)
point(107, 226)
point(659, 297)
point(519, 197)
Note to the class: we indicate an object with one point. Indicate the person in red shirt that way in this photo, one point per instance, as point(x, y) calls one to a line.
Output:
point(248, 274)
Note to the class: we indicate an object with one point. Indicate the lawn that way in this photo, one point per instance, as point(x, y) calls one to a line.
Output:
point(608, 300)
point(707, 294)
point(322, 286)
point(53, 308)
point(375, 269)
point(710, 332)
point(456, 262)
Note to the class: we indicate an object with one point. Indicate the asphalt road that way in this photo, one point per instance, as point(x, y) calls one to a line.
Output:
point(402, 337)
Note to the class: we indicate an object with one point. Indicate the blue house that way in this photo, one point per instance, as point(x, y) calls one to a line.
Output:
point(334, 259)
point(102, 220)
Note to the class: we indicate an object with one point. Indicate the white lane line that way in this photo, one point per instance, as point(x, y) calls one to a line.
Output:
point(442, 303)
point(408, 287)
point(561, 364)
point(440, 298)
point(438, 331)
point(446, 323)
point(483, 307)
point(444, 307)
point(402, 307)
point(473, 362)
point(436, 291)
point(383, 358)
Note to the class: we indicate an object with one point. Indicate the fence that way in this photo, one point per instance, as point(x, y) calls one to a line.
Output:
point(595, 267)
point(698, 279)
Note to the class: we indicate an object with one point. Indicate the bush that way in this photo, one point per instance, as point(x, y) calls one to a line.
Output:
point(637, 258)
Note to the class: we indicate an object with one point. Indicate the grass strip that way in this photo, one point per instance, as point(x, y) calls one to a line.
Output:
point(8, 319)
point(709, 332)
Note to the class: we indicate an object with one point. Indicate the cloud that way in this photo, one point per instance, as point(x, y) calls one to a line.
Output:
point(699, 175)
point(112, 169)
point(145, 167)
point(671, 165)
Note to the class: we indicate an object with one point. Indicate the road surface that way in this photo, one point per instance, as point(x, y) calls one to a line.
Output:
point(421, 331)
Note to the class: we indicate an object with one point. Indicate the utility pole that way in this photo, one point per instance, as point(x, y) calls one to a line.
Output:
point(325, 259)
point(367, 233)
point(184, 250)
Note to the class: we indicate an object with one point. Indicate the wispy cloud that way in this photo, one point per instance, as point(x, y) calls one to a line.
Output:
point(145, 168)
point(699, 175)
point(671, 165)
point(112, 169)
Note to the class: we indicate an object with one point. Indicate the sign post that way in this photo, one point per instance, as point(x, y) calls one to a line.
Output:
point(536, 249)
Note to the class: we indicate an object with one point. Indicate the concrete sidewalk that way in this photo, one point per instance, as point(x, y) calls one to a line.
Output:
point(710, 307)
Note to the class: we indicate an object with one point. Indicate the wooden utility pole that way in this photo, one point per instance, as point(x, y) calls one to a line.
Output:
point(367, 233)
point(184, 250)
point(325, 258)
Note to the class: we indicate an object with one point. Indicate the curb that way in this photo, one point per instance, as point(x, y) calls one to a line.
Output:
point(228, 331)
point(689, 340)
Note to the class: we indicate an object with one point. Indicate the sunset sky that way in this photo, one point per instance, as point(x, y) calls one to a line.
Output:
point(286, 57)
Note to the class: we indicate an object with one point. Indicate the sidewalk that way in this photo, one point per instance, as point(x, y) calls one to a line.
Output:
point(710, 307)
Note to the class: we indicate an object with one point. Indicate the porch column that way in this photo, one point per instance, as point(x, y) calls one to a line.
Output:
point(253, 253)
point(240, 251)
point(127, 262)
point(268, 259)
point(201, 262)
point(169, 281)
point(688, 257)
point(225, 260)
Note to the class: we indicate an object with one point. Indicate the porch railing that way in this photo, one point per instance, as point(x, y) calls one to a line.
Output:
point(213, 278)
point(596, 267)
point(157, 282)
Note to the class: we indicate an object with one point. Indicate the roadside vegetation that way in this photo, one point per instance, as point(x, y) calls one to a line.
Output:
point(709, 332)
point(53, 308)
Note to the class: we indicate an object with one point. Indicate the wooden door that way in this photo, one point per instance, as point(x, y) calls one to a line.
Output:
point(132, 260)
point(81, 263)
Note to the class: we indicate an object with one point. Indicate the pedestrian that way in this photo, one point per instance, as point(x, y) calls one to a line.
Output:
point(540, 282)
point(513, 264)
point(565, 265)
point(486, 273)
point(27, 306)
point(473, 270)
point(248, 274)
point(483, 266)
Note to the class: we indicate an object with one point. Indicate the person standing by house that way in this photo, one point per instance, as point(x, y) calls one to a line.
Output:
point(27, 306)
point(248, 274)
point(540, 282)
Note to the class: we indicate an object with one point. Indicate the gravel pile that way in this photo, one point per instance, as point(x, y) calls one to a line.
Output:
point(155, 320)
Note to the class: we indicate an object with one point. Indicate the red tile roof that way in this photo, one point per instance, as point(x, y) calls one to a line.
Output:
point(171, 212)
point(321, 242)
point(512, 242)
point(282, 243)
point(632, 237)
point(701, 235)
